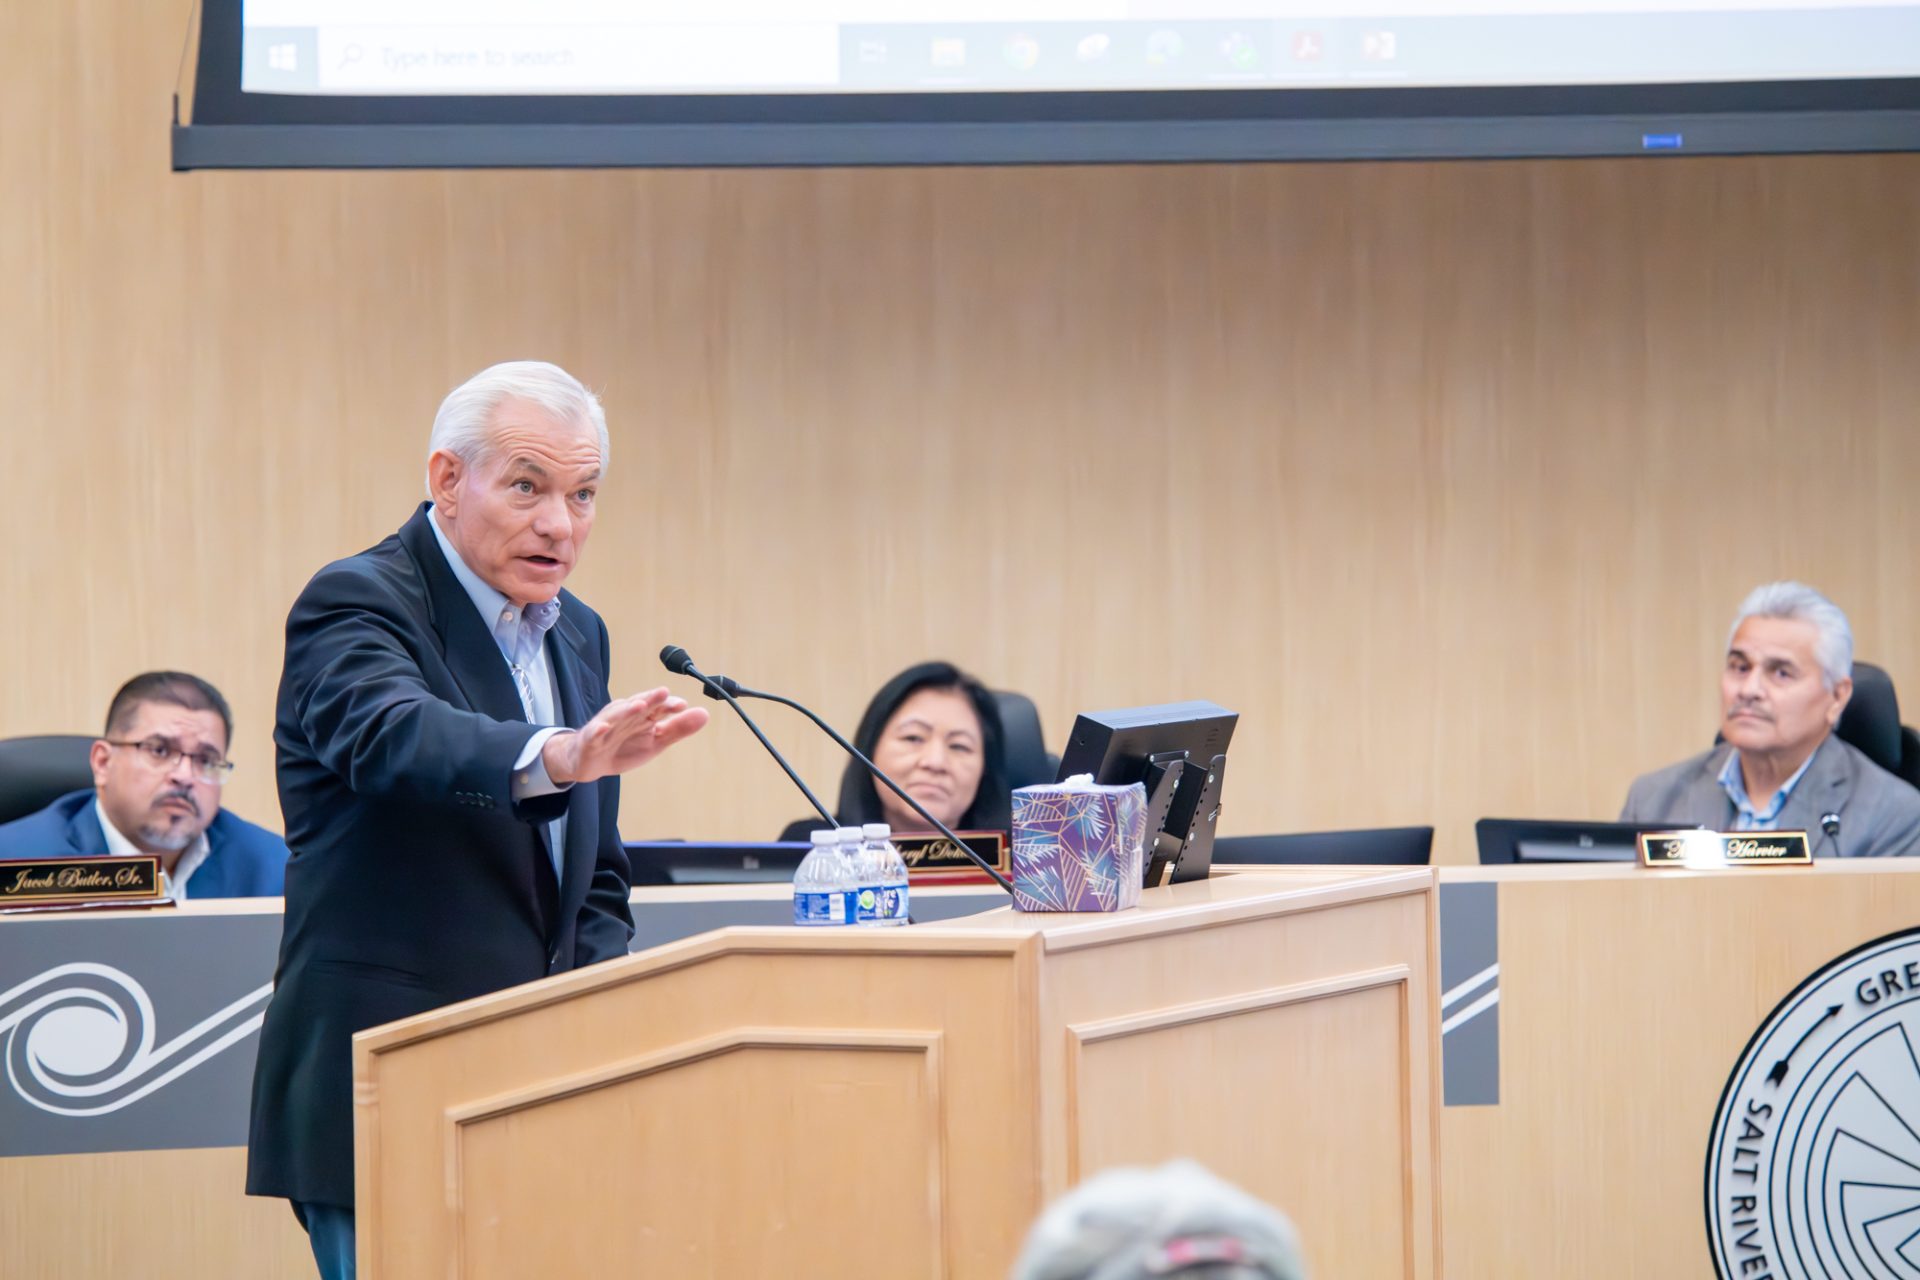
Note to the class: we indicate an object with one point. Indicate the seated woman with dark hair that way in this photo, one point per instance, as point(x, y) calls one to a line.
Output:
point(936, 731)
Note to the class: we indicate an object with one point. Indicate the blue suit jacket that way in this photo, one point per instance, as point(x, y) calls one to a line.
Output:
point(243, 861)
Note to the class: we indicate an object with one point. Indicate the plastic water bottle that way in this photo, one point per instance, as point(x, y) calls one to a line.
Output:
point(868, 891)
point(820, 883)
point(889, 871)
point(860, 883)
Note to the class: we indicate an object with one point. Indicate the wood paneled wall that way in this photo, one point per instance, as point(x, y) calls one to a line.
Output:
point(1447, 476)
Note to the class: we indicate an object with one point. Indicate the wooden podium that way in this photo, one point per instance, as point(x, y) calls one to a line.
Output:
point(895, 1103)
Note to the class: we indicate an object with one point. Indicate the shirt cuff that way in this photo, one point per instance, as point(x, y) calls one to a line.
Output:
point(530, 770)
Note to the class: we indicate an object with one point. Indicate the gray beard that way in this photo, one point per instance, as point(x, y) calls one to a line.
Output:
point(165, 840)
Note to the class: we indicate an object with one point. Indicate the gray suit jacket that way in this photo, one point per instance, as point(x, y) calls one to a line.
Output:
point(1879, 814)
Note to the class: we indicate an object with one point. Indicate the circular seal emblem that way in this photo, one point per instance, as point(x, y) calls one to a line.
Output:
point(1814, 1165)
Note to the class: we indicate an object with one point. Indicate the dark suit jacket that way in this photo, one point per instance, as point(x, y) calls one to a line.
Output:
point(1879, 814)
point(416, 881)
point(243, 861)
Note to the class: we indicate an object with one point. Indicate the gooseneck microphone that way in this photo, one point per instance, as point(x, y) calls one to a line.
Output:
point(733, 690)
point(678, 661)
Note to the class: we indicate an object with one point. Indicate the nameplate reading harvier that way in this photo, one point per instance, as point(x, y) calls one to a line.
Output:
point(1698, 849)
point(50, 882)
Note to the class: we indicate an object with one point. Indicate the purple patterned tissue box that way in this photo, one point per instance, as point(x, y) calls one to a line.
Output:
point(1077, 846)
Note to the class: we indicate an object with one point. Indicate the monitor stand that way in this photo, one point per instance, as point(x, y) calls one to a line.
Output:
point(1174, 814)
point(1163, 781)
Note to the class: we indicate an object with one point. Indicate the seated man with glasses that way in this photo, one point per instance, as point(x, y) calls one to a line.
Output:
point(157, 776)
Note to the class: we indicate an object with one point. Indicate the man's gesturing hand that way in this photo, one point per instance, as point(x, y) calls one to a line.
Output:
point(625, 734)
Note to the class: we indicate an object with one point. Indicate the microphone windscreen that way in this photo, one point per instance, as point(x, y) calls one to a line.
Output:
point(676, 660)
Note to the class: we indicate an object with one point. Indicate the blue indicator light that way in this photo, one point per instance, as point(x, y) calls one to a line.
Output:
point(1661, 142)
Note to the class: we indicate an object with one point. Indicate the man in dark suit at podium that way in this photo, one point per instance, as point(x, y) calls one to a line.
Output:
point(449, 758)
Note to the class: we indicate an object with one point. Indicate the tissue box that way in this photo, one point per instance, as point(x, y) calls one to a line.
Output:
point(1077, 846)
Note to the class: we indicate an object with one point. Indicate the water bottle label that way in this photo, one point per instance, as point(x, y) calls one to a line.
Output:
point(869, 905)
point(888, 905)
point(820, 908)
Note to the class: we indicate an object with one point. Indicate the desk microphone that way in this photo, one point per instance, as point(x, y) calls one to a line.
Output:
point(1830, 823)
point(679, 662)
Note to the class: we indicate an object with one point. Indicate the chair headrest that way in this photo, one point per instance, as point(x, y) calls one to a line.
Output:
point(34, 772)
point(1871, 721)
point(1025, 742)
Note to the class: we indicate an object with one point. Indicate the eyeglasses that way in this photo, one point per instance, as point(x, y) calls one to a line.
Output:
point(164, 753)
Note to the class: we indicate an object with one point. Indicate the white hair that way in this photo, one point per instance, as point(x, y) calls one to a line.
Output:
point(1833, 637)
point(1177, 1219)
point(464, 425)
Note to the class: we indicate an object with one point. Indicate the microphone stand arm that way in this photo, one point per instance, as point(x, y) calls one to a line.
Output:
point(715, 690)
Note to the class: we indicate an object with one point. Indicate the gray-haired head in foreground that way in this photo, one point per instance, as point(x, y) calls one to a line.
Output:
point(1833, 643)
point(1176, 1220)
point(464, 425)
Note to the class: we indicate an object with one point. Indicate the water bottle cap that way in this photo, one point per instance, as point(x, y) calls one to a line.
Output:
point(847, 833)
point(825, 835)
point(877, 831)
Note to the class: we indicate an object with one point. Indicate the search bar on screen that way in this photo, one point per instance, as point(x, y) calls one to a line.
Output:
point(575, 59)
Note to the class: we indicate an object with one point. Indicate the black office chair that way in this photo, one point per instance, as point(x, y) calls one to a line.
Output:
point(1909, 756)
point(1385, 846)
point(1871, 723)
point(34, 772)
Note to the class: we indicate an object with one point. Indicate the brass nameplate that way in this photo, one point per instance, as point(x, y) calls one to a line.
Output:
point(46, 882)
point(1725, 849)
point(933, 859)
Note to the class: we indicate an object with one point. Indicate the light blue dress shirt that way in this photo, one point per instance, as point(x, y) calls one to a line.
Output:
point(521, 635)
point(1745, 816)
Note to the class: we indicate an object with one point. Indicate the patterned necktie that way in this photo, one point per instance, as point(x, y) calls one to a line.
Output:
point(520, 639)
point(524, 683)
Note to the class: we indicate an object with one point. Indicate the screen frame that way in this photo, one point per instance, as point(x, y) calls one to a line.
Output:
point(233, 129)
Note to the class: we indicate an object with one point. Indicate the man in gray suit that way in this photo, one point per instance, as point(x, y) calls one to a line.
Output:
point(1788, 675)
